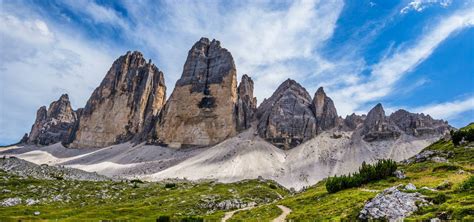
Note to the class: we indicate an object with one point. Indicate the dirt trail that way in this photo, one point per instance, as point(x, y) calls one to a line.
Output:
point(228, 215)
point(283, 215)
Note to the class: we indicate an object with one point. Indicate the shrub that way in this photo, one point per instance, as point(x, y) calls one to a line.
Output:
point(458, 136)
point(164, 218)
point(272, 186)
point(192, 219)
point(467, 185)
point(367, 173)
point(439, 198)
point(170, 185)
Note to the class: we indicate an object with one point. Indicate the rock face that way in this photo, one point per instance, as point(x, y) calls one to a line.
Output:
point(392, 204)
point(378, 127)
point(353, 121)
point(324, 110)
point(55, 124)
point(286, 118)
point(124, 105)
point(418, 124)
point(246, 103)
point(200, 111)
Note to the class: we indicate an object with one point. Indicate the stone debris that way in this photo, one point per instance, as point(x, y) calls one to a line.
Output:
point(410, 186)
point(399, 174)
point(10, 202)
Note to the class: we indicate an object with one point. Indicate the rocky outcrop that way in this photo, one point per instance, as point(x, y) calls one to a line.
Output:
point(324, 110)
point(246, 103)
point(286, 118)
point(200, 111)
point(418, 124)
point(54, 124)
point(392, 204)
point(353, 121)
point(378, 127)
point(124, 105)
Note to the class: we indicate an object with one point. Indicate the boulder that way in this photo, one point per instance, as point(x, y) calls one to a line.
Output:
point(54, 124)
point(324, 110)
point(125, 104)
point(392, 204)
point(201, 109)
point(378, 127)
point(246, 103)
point(286, 118)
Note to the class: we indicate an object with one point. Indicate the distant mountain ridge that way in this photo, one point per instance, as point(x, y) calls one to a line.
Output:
point(208, 106)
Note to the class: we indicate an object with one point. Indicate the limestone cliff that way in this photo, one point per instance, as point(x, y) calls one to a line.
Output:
point(54, 124)
point(201, 109)
point(286, 118)
point(123, 106)
point(246, 103)
point(378, 127)
point(418, 124)
point(324, 110)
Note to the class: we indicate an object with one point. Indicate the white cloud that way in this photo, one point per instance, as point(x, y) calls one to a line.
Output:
point(420, 5)
point(39, 63)
point(447, 110)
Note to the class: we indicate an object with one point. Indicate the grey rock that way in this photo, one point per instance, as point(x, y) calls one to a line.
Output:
point(353, 121)
point(378, 127)
point(246, 103)
point(201, 109)
point(54, 124)
point(392, 204)
point(438, 159)
point(207, 63)
point(410, 186)
point(419, 124)
point(10, 202)
point(399, 174)
point(37, 213)
point(31, 201)
point(324, 110)
point(286, 118)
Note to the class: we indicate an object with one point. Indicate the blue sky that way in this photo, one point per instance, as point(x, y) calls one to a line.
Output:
point(411, 54)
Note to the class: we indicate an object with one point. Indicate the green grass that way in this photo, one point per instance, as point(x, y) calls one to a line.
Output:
point(122, 200)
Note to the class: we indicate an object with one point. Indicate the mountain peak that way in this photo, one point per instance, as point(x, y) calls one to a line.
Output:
point(324, 110)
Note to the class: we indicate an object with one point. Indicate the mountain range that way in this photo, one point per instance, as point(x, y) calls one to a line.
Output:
point(210, 127)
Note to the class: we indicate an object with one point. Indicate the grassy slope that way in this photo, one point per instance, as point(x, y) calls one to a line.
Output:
point(316, 203)
point(125, 201)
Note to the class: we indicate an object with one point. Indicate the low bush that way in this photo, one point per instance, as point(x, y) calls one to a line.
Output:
point(467, 185)
point(367, 173)
point(164, 218)
point(445, 167)
point(170, 185)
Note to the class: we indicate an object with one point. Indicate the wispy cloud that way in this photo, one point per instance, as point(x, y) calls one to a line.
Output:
point(39, 62)
point(447, 110)
point(420, 5)
point(390, 69)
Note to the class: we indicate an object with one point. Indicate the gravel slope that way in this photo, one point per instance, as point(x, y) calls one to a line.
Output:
point(244, 156)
